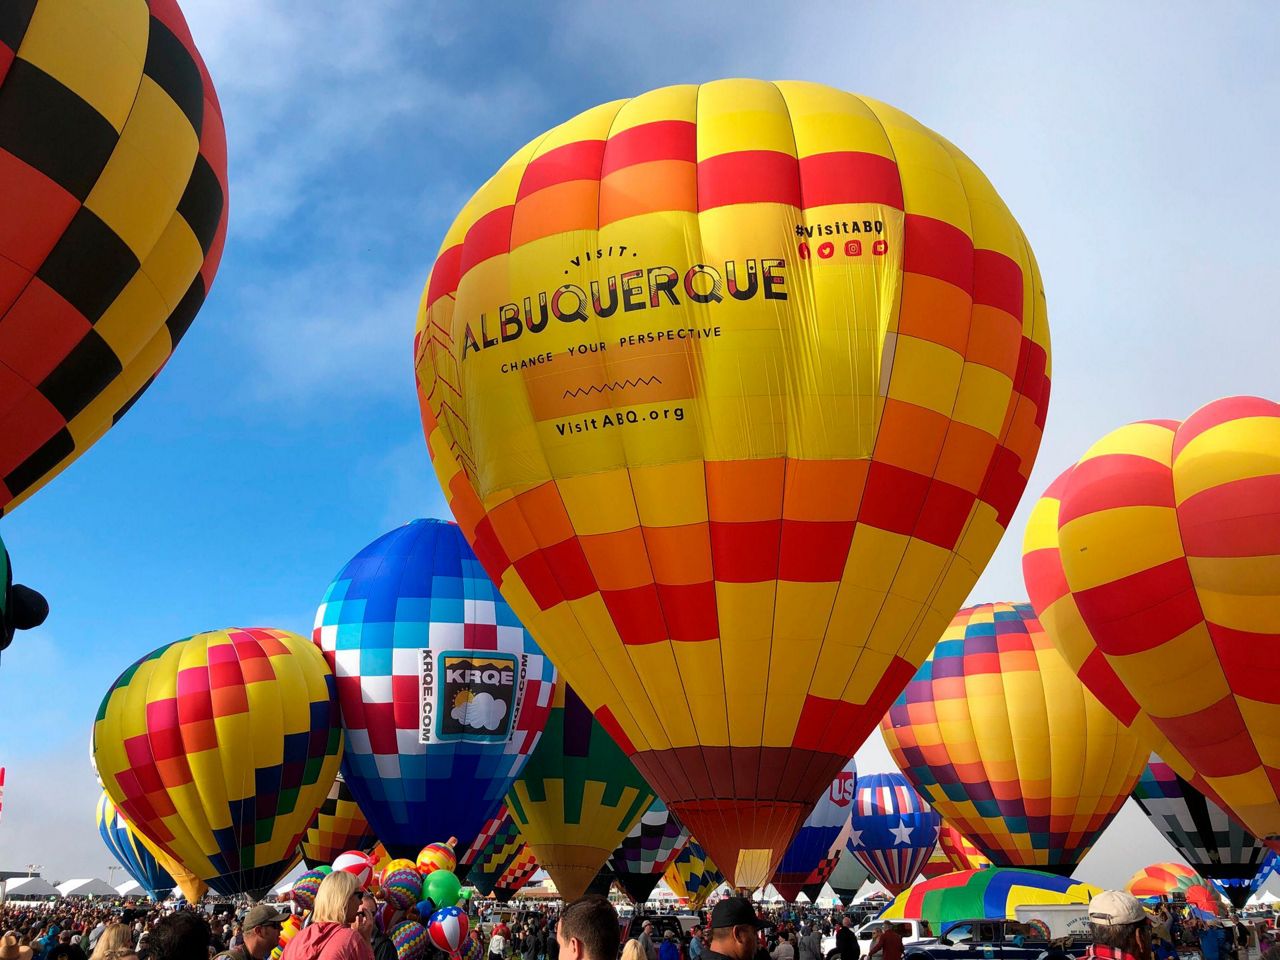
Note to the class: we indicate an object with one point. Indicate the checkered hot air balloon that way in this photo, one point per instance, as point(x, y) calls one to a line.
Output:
point(492, 852)
point(339, 826)
point(1152, 560)
point(892, 829)
point(998, 734)
point(443, 693)
point(132, 854)
point(693, 876)
point(814, 841)
point(1201, 831)
point(646, 852)
point(735, 387)
point(113, 183)
point(220, 748)
point(520, 872)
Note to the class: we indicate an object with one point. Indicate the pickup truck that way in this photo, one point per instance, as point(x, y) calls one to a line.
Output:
point(913, 932)
point(996, 940)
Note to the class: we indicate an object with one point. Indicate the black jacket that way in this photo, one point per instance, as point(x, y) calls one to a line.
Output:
point(847, 944)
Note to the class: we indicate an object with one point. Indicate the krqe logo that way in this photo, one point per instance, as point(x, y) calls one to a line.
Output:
point(842, 788)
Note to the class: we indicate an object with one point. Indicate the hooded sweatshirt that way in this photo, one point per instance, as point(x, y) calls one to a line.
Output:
point(327, 941)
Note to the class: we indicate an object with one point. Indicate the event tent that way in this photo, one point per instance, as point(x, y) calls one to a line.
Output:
point(130, 888)
point(87, 887)
point(30, 888)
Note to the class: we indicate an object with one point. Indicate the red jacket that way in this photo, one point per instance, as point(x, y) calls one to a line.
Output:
point(327, 941)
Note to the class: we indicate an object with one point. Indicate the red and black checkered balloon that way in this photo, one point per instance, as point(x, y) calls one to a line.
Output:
point(113, 187)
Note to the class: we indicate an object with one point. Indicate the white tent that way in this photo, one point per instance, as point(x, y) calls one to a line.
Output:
point(1266, 897)
point(88, 887)
point(30, 888)
point(131, 888)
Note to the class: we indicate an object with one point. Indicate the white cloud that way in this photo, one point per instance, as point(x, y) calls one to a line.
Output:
point(482, 712)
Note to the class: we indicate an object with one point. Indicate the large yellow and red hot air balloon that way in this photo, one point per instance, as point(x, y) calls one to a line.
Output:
point(113, 185)
point(1157, 556)
point(735, 387)
point(999, 735)
point(220, 748)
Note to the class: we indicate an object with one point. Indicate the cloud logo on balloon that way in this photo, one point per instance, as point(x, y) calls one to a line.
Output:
point(480, 711)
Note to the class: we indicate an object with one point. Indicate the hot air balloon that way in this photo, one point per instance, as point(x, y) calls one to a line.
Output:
point(1165, 535)
point(1170, 879)
point(818, 877)
point(516, 876)
point(848, 877)
point(220, 748)
point(892, 829)
point(815, 839)
point(972, 732)
point(646, 852)
point(114, 193)
point(339, 826)
point(492, 852)
point(960, 852)
point(693, 876)
point(578, 796)
point(996, 892)
point(131, 852)
point(443, 693)
point(1201, 831)
point(735, 386)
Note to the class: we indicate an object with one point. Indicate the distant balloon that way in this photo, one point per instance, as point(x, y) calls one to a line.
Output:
point(1167, 879)
point(492, 852)
point(131, 852)
point(999, 735)
point(114, 197)
point(221, 748)
point(577, 797)
point(817, 879)
point(646, 852)
point(516, 876)
point(339, 825)
point(893, 830)
point(693, 876)
point(817, 836)
point(1201, 831)
point(959, 851)
point(443, 693)
point(1162, 539)
point(848, 877)
point(735, 386)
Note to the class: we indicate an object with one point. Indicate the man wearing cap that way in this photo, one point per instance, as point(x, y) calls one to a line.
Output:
point(734, 930)
point(261, 929)
point(1121, 928)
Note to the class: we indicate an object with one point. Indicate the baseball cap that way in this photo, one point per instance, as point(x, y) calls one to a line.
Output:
point(1114, 907)
point(735, 912)
point(263, 913)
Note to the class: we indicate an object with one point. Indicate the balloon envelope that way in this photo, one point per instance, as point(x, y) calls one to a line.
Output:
point(519, 873)
point(443, 693)
point(999, 735)
point(693, 876)
point(577, 797)
point(339, 826)
point(646, 852)
point(221, 748)
point(817, 836)
point(1175, 879)
point(847, 877)
point(992, 893)
point(130, 851)
point(735, 386)
point(893, 830)
point(959, 851)
point(492, 852)
point(114, 196)
point(1166, 534)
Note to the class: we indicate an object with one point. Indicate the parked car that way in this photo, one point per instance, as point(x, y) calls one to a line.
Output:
point(916, 931)
point(997, 940)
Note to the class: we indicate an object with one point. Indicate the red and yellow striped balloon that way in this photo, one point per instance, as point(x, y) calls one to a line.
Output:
point(959, 850)
point(735, 386)
point(1156, 559)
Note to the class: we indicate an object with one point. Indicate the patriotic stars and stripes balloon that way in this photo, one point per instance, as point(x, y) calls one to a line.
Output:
point(447, 929)
point(893, 830)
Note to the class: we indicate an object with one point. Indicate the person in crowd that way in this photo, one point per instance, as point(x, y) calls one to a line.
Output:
point(646, 941)
point(784, 950)
point(179, 936)
point(11, 947)
point(631, 950)
point(367, 918)
point(696, 945)
point(669, 949)
point(735, 930)
point(588, 930)
point(498, 948)
point(811, 944)
point(262, 926)
point(887, 944)
point(115, 942)
point(1121, 928)
point(330, 936)
point(847, 940)
point(65, 949)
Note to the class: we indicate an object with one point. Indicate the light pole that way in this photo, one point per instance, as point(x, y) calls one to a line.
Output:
point(111, 873)
point(32, 868)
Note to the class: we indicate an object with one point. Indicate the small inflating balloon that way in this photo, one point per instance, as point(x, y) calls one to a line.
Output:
point(392, 866)
point(356, 863)
point(402, 888)
point(307, 886)
point(437, 856)
point(410, 940)
point(448, 929)
point(443, 887)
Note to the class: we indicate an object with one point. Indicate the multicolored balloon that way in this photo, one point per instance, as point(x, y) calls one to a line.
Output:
point(999, 735)
point(646, 852)
point(1165, 535)
point(221, 748)
point(995, 892)
point(892, 829)
point(494, 850)
point(448, 929)
point(357, 863)
point(339, 825)
point(131, 852)
point(1201, 831)
point(1167, 879)
point(817, 879)
point(410, 939)
point(307, 886)
point(743, 381)
point(288, 930)
point(443, 693)
point(848, 877)
point(693, 876)
point(115, 184)
point(395, 864)
point(437, 856)
point(402, 888)
point(817, 837)
point(516, 876)
point(959, 851)
point(578, 796)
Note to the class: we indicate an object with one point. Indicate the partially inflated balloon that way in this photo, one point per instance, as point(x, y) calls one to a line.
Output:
point(443, 693)
point(1201, 831)
point(221, 748)
point(693, 876)
point(437, 856)
point(132, 854)
point(646, 852)
point(817, 836)
point(357, 863)
point(113, 183)
point(999, 735)
point(494, 850)
point(892, 829)
point(1167, 879)
point(339, 825)
point(735, 386)
point(578, 796)
point(959, 851)
point(1167, 535)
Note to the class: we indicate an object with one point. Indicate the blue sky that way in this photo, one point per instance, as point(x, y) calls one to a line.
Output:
point(1135, 144)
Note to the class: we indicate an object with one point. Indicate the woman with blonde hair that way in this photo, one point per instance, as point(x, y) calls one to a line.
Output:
point(633, 950)
point(116, 943)
point(329, 936)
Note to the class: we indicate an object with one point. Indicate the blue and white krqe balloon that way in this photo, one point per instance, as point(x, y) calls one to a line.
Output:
point(893, 830)
point(817, 835)
point(443, 693)
point(137, 860)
